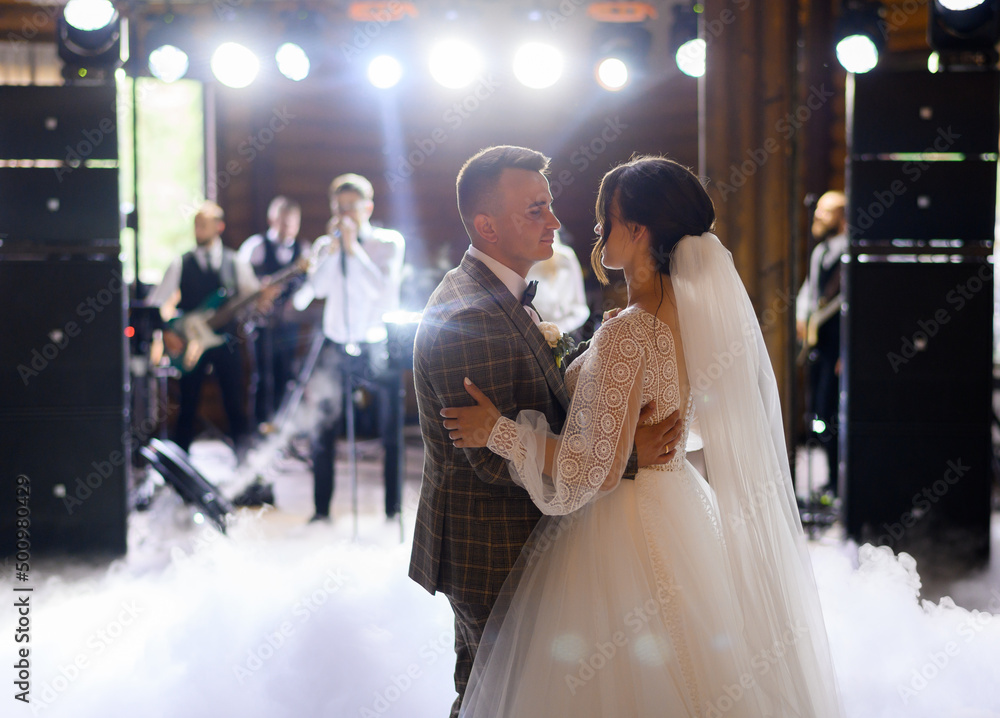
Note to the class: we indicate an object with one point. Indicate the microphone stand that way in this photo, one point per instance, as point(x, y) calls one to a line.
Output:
point(348, 384)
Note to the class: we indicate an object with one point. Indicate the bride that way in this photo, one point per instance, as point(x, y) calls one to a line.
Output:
point(669, 595)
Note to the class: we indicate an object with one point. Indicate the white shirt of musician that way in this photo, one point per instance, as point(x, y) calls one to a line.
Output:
point(359, 288)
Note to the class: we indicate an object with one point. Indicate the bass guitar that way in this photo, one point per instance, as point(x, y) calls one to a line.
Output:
point(199, 330)
point(817, 319)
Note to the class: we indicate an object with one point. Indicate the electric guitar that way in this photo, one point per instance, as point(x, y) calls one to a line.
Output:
point(817, 319)
point(198, 330)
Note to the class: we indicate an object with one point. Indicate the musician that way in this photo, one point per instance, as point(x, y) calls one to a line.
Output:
point(822, 290)
point(359, 278)
point(190, 280)
point(276, 338)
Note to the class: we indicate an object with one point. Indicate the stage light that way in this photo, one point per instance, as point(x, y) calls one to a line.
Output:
point(89, 15)
point(612, 74)
point(964, 32)
point(537, 65)
point(384, 72)
point(858, 36)
point(89, 40)
point(959, 5)
point(234, 65)
point(293, 62)
point(455, 64)
point(691, 57)
point(168, 63)
point(690, 51)
point(621, 51)
point(857, 53)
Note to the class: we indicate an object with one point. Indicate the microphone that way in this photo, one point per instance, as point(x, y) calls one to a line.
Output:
point(343, 253)
point(335, 232)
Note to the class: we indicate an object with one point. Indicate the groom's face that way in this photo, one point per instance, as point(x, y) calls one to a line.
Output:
point(525, 223)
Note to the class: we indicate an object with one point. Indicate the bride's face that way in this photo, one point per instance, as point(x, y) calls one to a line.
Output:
point(617, 248)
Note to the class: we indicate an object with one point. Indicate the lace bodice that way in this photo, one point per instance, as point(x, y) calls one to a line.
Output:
point(660, 380)
point(632, 360)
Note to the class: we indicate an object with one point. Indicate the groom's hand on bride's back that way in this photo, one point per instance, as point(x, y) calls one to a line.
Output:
point(657, 443)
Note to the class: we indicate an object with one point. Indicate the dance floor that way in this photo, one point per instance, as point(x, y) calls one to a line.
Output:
point(285, 619)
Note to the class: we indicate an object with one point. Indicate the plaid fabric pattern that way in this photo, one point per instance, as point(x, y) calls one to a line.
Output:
point(470, 623)
point(473, 520)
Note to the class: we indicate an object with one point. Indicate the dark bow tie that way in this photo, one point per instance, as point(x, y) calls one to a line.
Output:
point(529, 293)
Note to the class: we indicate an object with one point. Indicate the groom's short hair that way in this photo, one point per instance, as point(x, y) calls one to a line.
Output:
point(478, 178)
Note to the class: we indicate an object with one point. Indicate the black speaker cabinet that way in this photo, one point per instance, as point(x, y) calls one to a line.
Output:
point(63, 345)
point(923, 112)
point(63, 188)
point(63, 416)
point(76, 464)
point(917, 383)
point(39, 207)
point(58, 122)
point(916, 199)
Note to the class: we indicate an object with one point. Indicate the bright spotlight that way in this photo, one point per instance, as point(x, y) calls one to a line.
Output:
point(857, 53)
point(859, 36)
point(234, 65)
point(89, 40)
point(691, 57)
point(292, 61)
point(959, 5)
point(538, 65)
point(612, 74)
point(455, 64)
point(384, 72)
point(965, 32)
point(89, 15)
point(168, 63)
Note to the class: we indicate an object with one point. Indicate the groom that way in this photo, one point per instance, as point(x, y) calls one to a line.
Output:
point(473, 520)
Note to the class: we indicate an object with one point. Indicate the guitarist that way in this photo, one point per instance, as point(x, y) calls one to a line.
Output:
point(188, 282)
point(276, 338)
point(818, 303)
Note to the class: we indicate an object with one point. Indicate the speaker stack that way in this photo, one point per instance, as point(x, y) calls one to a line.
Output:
point(63, 388)
point(916, 384)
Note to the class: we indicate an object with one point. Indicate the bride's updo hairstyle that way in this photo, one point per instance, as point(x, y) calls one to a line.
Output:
point(659, 194)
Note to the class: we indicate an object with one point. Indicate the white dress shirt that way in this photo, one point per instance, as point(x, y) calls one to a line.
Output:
point(372, 275)
point(252, 250)
point(515, 283)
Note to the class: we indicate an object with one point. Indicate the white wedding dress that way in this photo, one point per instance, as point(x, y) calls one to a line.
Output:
point(631, 601)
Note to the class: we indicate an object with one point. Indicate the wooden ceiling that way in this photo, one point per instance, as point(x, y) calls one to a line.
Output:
point(905, 21)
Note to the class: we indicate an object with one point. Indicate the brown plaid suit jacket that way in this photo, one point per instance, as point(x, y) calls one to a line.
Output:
point(473, 520)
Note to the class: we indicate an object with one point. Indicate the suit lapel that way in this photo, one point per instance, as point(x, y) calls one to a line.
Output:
point(539, 347)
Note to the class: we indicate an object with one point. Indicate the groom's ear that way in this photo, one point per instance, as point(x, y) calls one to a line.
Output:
point(485, 228)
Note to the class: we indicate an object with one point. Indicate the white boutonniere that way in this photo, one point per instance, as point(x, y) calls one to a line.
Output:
point(560, 343)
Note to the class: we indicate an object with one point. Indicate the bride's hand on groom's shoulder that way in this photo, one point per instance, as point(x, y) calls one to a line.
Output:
point(469, 427)
point(657, 443)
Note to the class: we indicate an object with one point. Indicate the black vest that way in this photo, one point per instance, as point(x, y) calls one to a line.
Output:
point(270, 265)
point(198, 284)
point(828, 336)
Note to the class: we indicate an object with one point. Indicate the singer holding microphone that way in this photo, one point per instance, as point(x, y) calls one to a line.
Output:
point(359, 279)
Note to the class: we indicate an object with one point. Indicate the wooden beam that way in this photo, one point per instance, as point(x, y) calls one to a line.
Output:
point(751, 116)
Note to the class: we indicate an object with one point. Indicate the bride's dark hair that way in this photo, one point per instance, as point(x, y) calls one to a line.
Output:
point(662, 195)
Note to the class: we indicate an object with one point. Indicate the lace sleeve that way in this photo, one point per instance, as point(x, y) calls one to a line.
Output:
point(592, 452)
